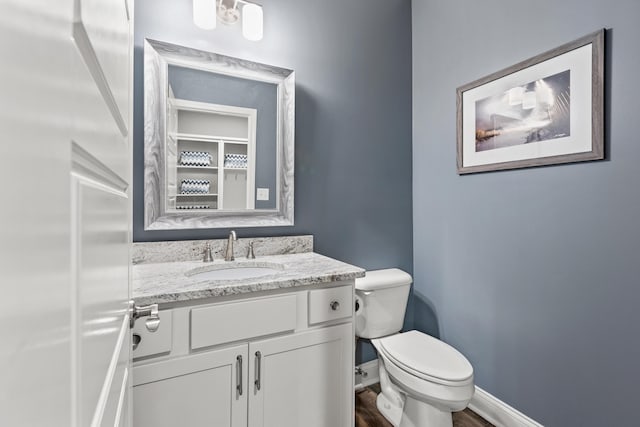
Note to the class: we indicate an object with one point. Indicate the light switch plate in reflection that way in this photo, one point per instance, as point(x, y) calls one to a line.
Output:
point(262, 194)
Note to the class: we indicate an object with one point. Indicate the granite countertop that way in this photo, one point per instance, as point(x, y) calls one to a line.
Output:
point(166, 282)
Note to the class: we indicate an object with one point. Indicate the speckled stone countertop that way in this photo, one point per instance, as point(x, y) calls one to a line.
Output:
point(167, 282)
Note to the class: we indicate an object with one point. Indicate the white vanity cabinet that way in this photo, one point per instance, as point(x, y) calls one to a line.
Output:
point(305, 379)
point(196, 390)
point(282, 360)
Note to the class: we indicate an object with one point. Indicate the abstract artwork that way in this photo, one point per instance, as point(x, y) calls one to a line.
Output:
point(545, 110)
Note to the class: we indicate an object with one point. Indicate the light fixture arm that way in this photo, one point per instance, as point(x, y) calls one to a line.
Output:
point(236, 2)
point(228, 12)
point(246, 2)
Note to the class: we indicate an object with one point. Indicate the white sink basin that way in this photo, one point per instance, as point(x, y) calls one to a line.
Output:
point(235, 271)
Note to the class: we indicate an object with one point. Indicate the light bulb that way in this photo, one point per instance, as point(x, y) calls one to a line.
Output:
point(204, 14)
point(252, 22)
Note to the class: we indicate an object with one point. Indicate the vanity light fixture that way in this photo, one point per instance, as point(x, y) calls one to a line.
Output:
point(206, 12)
point(252, 22)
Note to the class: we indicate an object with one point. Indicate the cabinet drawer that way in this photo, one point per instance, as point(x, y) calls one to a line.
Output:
point(153, 342)
point(224, 323)
point(330, 304)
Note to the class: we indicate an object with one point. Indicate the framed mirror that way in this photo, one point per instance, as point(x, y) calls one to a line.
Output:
point(219, 140)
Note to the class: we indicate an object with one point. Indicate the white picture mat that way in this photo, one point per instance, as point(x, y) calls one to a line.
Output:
point(578, 61)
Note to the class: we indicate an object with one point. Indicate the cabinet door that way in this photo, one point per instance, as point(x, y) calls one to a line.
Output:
point(197, 390)
point(303, 379)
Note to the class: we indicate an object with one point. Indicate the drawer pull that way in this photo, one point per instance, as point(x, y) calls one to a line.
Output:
point(335, 305)
point(239, 374)
point(258, 369)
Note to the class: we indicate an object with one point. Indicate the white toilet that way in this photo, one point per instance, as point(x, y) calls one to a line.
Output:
point(422, 378)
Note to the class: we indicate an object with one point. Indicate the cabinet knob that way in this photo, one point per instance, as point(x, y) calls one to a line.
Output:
point(335, 305)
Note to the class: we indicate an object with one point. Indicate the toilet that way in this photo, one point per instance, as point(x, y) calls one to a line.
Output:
point(422, 378)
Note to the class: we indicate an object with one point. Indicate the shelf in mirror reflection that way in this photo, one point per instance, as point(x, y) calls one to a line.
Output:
point(208, 138)
point(198, 167)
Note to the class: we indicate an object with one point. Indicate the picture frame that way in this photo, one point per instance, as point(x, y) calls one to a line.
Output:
point(546, 110)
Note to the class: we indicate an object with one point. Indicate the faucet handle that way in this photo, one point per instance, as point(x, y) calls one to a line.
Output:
point(207, 253)
point(250, 254)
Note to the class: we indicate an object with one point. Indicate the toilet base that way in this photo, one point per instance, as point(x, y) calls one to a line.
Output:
point(420, 414)
point(392, 412)
point(413, 413)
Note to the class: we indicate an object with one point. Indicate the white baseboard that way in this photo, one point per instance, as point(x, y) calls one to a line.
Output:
point(372, 374)
point(497, 412)
point(484, 404)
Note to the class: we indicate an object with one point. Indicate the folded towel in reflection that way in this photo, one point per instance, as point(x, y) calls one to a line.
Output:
point(188, 207)
point(195, 186)
point(195, 158)
point(235, 161)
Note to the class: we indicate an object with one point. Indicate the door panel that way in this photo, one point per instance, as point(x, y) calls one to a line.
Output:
point(117, 389)
point(305, 379)
point(198, 390)
point(100, 253)
point(101, 213)
point(101, 32)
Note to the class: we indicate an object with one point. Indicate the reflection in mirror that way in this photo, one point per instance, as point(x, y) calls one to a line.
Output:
point(218, 140)
point(232, 122)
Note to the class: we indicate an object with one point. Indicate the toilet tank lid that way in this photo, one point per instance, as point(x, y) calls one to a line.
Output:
point(381, 279)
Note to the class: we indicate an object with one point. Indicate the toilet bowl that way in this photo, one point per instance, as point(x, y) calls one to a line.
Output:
point(422, 378)
point(428, 380)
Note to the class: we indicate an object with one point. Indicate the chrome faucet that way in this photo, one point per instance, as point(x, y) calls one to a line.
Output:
point(228, 254)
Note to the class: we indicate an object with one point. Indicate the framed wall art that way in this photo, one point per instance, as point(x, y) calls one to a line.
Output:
point(542, 111)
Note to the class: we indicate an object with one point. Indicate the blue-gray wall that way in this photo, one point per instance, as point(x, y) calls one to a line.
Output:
point(353, 118)
point(532, 274)
point(203, 86)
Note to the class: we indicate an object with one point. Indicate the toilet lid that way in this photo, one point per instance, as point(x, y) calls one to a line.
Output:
point(419, 353)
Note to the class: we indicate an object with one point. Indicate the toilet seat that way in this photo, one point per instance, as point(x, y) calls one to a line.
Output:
point(427, 358)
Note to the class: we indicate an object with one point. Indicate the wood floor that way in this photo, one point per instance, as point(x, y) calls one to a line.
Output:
point(367, 414)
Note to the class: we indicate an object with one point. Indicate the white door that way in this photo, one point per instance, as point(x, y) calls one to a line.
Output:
point(304, 379)
point(65, 213)
point(205, 389)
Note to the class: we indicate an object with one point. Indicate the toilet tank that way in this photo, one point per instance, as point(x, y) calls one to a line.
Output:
point(381, 302)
